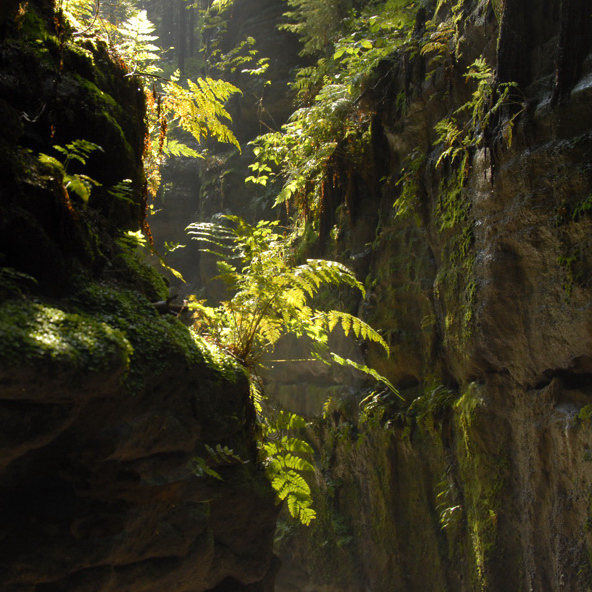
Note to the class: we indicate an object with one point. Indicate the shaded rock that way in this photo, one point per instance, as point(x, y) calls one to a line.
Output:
point(105, 404)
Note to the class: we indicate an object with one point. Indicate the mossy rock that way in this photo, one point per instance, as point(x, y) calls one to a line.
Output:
point(32, 333)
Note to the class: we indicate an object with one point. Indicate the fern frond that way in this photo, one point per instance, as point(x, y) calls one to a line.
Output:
point(222, 455)
point(366, 370)
point(286, 421)
point(287, 444)
point(200, 467)
point(290, 461)
point(290, 483)
point(352, 323)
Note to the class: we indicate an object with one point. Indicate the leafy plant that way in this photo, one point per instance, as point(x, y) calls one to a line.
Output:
point(330, 123)
point(446, 495)
point(76, 151)
point(315, 22)
point(135, 45)
point(270, 293)
point(284, 463)
point(195, 107)
point(132, 240)
point(487, 100)
point(198, 107)
point(218, 456)
point(270, 297)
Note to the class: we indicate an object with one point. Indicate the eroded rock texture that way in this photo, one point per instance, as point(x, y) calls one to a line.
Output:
point(484, 481)
point(105, 405)
point(97, 492)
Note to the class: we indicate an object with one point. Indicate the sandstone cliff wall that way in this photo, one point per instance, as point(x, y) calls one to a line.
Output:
point(483, 481)
point(105, 405)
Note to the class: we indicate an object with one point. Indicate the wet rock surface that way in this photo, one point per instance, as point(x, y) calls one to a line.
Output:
point(104, 403)
point(482, 480)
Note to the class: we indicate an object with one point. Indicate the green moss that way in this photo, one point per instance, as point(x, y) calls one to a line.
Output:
point(32, 332)
point(224, 365)
point(147, 277)
point(484, 478)
point(158, 340)
point(107, 113)
point(582, 208)
point(32, 26)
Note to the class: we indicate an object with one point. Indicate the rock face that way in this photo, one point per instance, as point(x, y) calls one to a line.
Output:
point(127, 454)
point(98, 494)
point(482, 481)
point(200, 190)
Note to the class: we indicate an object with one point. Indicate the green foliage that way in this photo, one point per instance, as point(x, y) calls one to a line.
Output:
point(134, 44)
point(218, 456)
point(487, 100)
point(132, 240)
point(198, 108)
point(430, 406)
point(331, 122)
point(585, 413)
point(284, 462)
point(302, 150)
point(76, 151)
point(446, 494)
point(270, 296)
point(442, 39)
point(242, 57)
point(409, 182)
point(316, 23)
point(374, 34)
point(582, 208)
point(270, 293)
point(124, 28)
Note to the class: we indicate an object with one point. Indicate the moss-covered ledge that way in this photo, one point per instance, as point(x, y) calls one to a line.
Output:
point(104, 329)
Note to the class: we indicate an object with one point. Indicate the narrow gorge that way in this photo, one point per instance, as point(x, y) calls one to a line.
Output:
point(441, 150)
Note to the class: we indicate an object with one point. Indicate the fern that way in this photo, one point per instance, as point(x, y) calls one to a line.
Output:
point(218, 456)
point(487, 99)
point(284, 464)
point(270, 294)
point(198, 108)
point(270, 298)
point(78, 183)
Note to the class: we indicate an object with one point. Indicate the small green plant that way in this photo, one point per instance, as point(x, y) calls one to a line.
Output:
point(585, 413)
point(446, 494)
point(218, 456)
point(76, 151)
point(270, 297)
point(488, 98)
point(131, 241)
point(582, 208)
point(409, 181)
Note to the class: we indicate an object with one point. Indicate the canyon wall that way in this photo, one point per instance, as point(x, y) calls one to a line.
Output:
point(127, 446)
point(482, 479)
